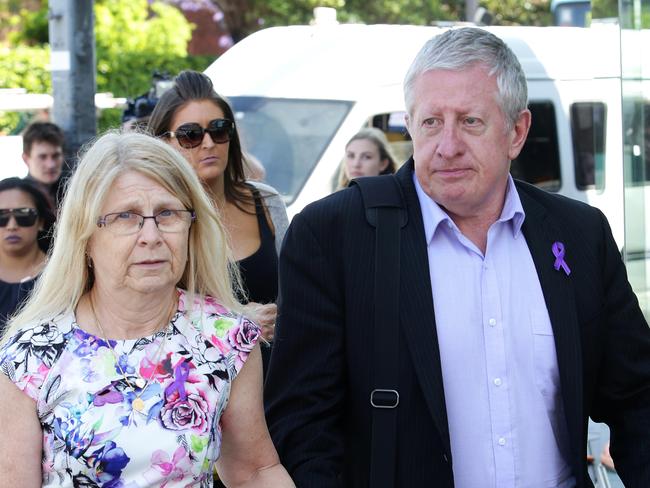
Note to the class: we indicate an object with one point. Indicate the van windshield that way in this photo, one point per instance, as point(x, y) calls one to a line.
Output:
point(288, 136)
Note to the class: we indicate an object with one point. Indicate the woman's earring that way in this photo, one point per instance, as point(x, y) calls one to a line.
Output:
point(89, 261)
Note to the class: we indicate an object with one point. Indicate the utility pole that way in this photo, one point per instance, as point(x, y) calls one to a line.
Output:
point(470, 9)
point(72, 44)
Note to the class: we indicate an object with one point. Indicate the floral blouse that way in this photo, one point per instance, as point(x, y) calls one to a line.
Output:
point(93, 433)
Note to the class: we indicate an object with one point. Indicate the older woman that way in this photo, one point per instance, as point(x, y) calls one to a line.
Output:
point(367, 153)
point(129, 365)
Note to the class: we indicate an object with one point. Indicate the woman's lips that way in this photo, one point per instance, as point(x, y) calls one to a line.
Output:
point(151, 263)
point(210, 160)
point(13, 238)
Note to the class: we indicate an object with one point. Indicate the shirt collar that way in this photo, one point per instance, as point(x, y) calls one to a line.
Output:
point(433, 215)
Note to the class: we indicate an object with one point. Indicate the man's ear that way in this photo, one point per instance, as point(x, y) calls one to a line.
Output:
point(518, 134)
point(26, 159)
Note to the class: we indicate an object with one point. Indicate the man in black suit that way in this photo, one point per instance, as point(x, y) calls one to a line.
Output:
point(516, 319)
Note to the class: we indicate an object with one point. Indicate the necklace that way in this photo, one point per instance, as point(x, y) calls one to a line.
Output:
point(140, 382)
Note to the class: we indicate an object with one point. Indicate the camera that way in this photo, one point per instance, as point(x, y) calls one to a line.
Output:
point(139, 109)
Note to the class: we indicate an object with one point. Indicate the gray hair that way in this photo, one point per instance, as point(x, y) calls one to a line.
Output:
point(458, 49)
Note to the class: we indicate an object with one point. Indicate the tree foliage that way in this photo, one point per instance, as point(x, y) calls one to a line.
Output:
point(23, 67)
point(415, 12)
point(244, 17)
point(133, 39)
point(518, 12)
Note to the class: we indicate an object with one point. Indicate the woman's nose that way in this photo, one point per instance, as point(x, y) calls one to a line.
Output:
point(207, 140)
point(12, 224)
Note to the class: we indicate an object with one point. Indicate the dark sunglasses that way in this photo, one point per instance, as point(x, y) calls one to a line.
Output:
point(191, 135)
point(25, 217)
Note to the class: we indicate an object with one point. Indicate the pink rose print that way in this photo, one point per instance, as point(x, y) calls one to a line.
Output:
point(188, 413)
point(173, 469)
point(243, 337)
point(31, 383)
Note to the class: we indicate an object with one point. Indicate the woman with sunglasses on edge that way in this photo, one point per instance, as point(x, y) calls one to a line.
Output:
point(198, 122)
point(25, 219)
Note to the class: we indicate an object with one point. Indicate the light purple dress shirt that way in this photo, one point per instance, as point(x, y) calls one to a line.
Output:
point(499, 366)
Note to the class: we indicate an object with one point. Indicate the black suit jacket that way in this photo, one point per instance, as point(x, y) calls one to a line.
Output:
point(318, 387)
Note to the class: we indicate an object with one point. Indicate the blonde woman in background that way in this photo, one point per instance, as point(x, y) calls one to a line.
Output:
point(367, 153)
point(130, 364)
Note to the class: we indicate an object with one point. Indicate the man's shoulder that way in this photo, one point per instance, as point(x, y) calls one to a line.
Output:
point(554, 203)
point(343, 203)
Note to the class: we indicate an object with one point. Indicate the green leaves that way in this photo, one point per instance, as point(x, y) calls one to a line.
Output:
point(221, 326)
point(132, 40)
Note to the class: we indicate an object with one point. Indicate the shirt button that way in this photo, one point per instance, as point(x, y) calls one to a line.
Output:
point(492, 322)
point(502, 441)
point(497, 381)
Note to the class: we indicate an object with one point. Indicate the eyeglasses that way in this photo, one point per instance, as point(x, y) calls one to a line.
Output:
point(25, 217)
point(126, 223)
point(191, 135)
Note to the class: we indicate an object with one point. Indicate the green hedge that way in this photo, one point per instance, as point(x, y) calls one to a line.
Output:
point(27, 67)
point(133, 39)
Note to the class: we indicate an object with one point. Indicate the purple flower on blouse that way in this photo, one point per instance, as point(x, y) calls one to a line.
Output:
point(243, 337)
point(107, 395)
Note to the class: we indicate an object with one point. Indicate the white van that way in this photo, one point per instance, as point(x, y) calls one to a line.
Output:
point(300, 92)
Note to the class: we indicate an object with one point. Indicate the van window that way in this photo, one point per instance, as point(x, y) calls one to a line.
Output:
point(588, 134)
point(539, 161)
point(394, 126)
point(636, 141)
point(288, 136)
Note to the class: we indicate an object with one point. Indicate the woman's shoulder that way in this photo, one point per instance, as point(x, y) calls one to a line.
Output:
point(209, 315)
point(190, 303)
point(276, 208)
point(271, 196)
point(227, 330)
point(264, 189)
point(28, 352)
point(41, 332)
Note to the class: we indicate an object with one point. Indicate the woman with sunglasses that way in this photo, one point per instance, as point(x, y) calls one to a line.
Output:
point(198, 122)
point(25, 216)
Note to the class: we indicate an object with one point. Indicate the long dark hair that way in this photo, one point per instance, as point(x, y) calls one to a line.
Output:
point(43, 207)
point(192, 86)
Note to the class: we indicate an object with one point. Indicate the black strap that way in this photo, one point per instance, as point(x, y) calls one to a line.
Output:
point(385, 211)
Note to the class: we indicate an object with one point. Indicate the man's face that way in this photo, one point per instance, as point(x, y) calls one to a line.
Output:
point(461, 146)
point(45, 162)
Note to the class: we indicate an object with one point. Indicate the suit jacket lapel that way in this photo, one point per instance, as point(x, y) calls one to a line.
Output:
point(540, 233)
point(417, 317)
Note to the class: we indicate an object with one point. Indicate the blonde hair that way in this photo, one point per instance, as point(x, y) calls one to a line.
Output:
point(378, 138)
point(210, 269)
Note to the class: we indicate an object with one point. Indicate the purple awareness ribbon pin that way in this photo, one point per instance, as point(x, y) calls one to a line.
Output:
point(558, 252)
point(181, 373)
